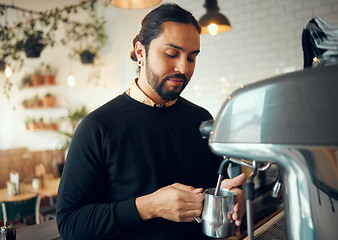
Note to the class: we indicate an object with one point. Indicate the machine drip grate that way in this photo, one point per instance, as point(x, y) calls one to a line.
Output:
point(277, 231)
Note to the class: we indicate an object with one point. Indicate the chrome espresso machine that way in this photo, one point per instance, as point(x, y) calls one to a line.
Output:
point(291, 121)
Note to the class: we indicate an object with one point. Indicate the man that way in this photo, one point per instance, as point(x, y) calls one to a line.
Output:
point(137, 165)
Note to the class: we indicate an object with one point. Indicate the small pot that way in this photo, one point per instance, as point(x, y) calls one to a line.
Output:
point(87, 57)
point(38, 103)
point(49, 101)
point(34, 51)
point(50, 79)
point(37, 79)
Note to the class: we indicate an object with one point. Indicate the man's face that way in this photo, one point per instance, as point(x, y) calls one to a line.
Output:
point(170, 62)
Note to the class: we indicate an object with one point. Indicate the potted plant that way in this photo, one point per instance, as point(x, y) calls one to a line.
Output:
point(33, 42)
point(73, 118)
point(27, 103)
point(53, 126)
point(37, 102)
point(49, 100)
point(34, 45)
point(87, 57)
point(89, 38)
point(50, 73)
point(29, 124)
point(37, 78)
point(25, 81)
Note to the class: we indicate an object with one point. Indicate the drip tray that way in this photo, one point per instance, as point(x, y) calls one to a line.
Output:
point(272, 230)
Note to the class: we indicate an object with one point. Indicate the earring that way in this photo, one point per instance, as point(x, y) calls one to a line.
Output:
point(139, 62)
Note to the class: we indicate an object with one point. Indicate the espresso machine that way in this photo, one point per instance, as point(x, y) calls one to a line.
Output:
point(292, 121)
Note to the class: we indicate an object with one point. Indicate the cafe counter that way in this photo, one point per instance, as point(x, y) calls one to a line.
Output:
point(44, 231)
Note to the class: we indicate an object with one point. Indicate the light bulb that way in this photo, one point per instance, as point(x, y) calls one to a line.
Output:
point(71, 80)
point(213, 29)
point(8, 72)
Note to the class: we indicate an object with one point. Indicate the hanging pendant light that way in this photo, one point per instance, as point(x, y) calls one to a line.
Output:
point(213, 21)
point(71, 80)
point(134, 4)
point(8, 71)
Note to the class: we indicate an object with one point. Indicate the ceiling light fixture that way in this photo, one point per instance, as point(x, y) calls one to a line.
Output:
point(134, 4)
point(213, 21)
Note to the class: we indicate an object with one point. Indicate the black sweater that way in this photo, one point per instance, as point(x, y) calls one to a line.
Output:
point(126, 149)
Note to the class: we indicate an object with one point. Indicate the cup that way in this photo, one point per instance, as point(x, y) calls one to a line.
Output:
point(36, 183)
point(11, 188)
point(214, 219)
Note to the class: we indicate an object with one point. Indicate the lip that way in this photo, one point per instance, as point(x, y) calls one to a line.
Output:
point(177, 82)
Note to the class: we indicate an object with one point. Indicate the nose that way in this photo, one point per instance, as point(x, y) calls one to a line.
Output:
point(182, 66)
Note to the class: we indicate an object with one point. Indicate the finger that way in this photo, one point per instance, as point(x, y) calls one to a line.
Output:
point(234, 182)
point(187, 188)
point(237, 230)
point(189, 193)
point(238, 222)
point(188, 215)
point(193, 206)
point(235, 216)
point(236, 210)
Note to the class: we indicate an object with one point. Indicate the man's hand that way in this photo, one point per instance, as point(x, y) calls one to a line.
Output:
point(239, 207)
point(176, 202)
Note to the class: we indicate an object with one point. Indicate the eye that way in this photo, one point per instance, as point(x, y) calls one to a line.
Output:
point(171, 55)
point(191, 59)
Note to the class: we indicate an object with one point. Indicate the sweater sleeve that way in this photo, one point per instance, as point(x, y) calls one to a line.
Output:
point(83, 209)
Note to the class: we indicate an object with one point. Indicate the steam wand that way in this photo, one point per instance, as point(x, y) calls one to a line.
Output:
point(221, 171)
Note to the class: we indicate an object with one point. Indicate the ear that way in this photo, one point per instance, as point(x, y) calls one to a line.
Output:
point(140, 50)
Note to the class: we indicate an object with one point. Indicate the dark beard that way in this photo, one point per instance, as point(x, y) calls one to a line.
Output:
point(166, 95)
point(159, 86)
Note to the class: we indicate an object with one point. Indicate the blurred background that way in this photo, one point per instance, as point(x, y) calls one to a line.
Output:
point(265, 41)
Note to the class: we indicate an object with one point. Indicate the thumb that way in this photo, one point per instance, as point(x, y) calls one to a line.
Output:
point(234, 182)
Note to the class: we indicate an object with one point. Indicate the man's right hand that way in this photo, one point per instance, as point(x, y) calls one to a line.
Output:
point(176, 202)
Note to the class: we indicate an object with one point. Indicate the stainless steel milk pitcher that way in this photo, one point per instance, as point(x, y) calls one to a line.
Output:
point(214, 219)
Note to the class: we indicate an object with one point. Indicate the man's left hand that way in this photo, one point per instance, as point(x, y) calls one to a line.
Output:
point(239, 207)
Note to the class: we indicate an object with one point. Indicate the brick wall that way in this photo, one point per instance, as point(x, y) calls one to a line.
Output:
point(265, 41)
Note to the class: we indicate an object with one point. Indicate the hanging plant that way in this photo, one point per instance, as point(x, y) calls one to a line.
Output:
point(87, 57)
point(33, 45)
point(88, 39)
point(33, 42)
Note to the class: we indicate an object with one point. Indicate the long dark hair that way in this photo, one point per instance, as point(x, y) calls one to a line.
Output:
point(153, 22)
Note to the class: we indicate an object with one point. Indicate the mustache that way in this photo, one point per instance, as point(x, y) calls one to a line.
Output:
point(177, 75)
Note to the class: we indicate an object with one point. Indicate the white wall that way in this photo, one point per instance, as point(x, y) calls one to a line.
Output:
point(265, 41)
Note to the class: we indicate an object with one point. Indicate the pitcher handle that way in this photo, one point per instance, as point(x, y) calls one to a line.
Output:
point(198, 219)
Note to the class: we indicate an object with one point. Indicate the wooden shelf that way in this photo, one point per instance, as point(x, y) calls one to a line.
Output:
point(40, 108)
point(40, 85)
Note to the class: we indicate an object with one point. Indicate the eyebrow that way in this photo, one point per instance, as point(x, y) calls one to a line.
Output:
point(179, 48)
